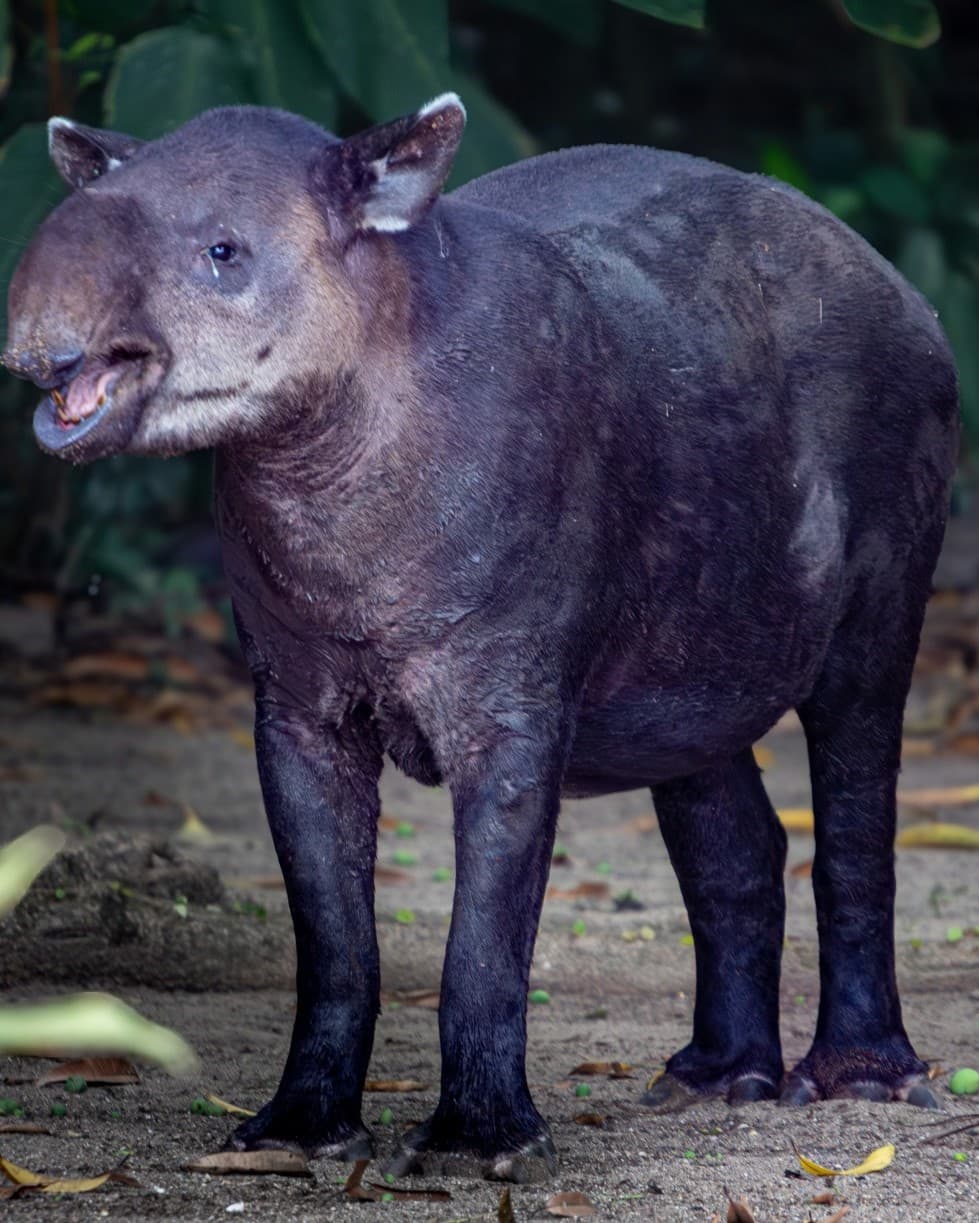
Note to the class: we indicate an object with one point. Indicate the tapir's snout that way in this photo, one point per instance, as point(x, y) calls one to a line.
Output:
point(42, 366)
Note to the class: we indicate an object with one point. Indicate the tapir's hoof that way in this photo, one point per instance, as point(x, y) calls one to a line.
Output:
point(428, 1152)
point(294, 1130)
point(669, 1094)
point(811, 1081)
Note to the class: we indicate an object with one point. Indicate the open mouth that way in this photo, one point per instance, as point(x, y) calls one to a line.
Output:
point(74, 410)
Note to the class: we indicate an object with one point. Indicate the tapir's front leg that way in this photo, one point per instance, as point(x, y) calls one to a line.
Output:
point(320, 789)
point(506, 804)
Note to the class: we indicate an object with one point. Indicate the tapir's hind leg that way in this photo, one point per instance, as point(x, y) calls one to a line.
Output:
point(728, 850)
point(853, 728)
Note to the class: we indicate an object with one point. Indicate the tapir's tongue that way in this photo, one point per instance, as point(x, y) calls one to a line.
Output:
point(86, 393)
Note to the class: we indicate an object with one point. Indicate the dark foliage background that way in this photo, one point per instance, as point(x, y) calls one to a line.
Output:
point(871, 106)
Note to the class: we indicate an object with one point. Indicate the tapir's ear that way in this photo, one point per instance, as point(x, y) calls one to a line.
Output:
point(82, 154)
point(387, 178)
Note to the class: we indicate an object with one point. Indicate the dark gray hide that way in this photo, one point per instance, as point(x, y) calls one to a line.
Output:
point(571, 481)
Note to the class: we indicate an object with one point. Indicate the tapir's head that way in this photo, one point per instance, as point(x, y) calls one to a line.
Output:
point(188, 285)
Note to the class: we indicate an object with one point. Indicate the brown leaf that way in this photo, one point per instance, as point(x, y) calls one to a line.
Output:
point(107, 1071)
point(571, 1205)
point(22, 1127)
point(802, 870)
point(388, 823)
point(23, 1178)
point(614, 1070)
point(583, 891)
point(826, 1198)
point(388, 874)
point(427, 999)
point(110, 665)
point(504, 1211)
point(153, 798)
point(595, 1119)
point(738, 1211)
point(394, 1085)
point(835, 1218)
point(207, 623)
point(251, 1163)
point(373, 1192)
point(642, 824)
point(939, 796)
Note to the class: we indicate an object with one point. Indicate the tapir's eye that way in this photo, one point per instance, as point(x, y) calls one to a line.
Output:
point(221, 252)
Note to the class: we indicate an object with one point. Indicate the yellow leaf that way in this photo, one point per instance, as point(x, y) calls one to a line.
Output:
point(938, 836)
point(797, 819)
point(193, 830)
point(20, 1176)
point(76, 1186)
point(939, 796)
point(764, 757)
point(23, 859)
point(231, 1108)
point(876, 1161)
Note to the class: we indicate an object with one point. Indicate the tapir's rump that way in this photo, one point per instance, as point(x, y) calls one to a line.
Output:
point(570, 481)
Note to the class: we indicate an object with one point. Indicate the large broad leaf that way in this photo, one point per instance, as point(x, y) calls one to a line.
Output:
point(493, 136)
point(6, 51)
point(29, 189)
point(287, 70)
point(390, 56)
point(578, 20)
point(915, 23)
point(680, 12)
point(164, 78)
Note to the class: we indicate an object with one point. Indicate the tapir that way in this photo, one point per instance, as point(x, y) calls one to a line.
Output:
point(567, 482)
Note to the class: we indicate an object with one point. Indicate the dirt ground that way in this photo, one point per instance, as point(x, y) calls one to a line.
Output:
point(218, 969)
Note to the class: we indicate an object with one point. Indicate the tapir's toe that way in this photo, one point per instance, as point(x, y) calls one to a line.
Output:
point(291, 1129)
point(858, 1075)
point(429, 1150)
point(670, 1094)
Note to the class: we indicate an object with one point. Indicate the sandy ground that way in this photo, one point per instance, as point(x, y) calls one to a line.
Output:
point(222, 979)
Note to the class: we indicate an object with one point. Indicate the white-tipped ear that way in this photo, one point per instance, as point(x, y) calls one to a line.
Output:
point(81, 154)
point(385, 179)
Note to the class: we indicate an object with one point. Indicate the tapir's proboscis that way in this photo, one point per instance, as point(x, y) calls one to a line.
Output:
point(570, 481)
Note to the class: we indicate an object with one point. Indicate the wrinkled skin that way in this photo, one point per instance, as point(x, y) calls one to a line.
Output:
point(569, 482)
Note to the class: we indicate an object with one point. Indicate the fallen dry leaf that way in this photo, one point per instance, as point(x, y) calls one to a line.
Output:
point(837, 1215)
point(938, 836)
point(595, 1119)
point(388, 823)
point(876, 1161)
point(796, 819)
point(826, 1198)
point(583, 891)
point(251, 1163)
point(193, 830)
point(106, 666)
point(22, 1127)
point(374, 1192)
point(764, 757)
point(504, 1209)
point(23, 1178)
point(427, 999)
point(571, 1205)
point(388, 874)
point(939, 796)
point(643, 824)
point(738, 1211)
point(394, 1085)
point(615, 1070)
point(96, 1071)
point(235, 1109)
point(802, 870)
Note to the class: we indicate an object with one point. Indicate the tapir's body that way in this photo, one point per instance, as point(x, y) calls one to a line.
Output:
point(571, 481)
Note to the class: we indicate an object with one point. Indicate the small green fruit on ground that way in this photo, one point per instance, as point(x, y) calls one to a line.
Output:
point(582, 1090)
point(964, 1082)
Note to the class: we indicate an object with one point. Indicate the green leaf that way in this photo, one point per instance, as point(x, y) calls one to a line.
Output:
point(922, 259)
point(287, 70)
point(913, 23)
point(493, 136)
point(778, 162)
point(29, 189)
point(164, 78)
point(390, 56)
point(924, 152)
point(6, 51)
point(679, 12)
point(579, 21)
point(897, 193)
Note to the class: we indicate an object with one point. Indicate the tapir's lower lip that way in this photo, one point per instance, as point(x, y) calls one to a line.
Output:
point(105, 397)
